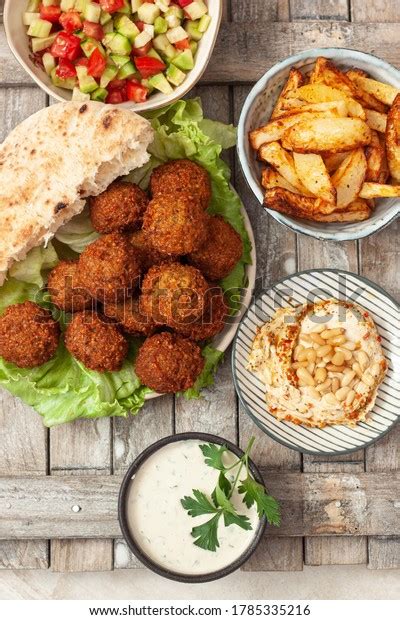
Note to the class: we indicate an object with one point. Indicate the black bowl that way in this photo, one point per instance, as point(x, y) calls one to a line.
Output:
point(129, 537)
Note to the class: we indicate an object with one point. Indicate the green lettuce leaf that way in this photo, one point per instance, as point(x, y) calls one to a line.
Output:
point(63, 390)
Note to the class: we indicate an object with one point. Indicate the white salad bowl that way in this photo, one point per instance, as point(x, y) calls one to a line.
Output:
point(256, 112)
point(18, 42)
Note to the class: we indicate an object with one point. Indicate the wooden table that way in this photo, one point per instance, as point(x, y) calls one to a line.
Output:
point(337, 511)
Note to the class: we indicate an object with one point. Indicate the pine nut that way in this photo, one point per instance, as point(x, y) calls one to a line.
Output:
point(368, 379)
point(357, 368)
point(330, 399)
point(362, 358)
point(311, 355)
point(324, 350)
point(335, 385)
point(338, 359)
point(350, 397)
point(297, 350)
point(337, 340)
point(324, 387)
point(317, 338)
point(327, 334)
point(351, 346)
point(327, 358)
point(318, 328)
point(375, 369)
point(341, 393)
point(320, 375)
point(305, 376)
point(348, 377)
point(347, 354)
point(297, 365)
point(302, 356)
point(305, 338)
point(334, 368)
point(311, 367)
point(360, 387)
point(314, 393)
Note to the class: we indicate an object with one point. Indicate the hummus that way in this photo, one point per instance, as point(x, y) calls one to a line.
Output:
point(321, 363)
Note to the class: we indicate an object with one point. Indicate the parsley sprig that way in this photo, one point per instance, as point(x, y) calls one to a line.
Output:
point(220, 504)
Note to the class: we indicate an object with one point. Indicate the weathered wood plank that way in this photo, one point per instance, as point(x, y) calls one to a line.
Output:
point(376, 11)
point(81, 448)
point(24, 439)
point(260, 10)
point(276, 257)
point(271, 40)
point(320, 551)
point(319, 9)
point(384, 552)
point(312, 505)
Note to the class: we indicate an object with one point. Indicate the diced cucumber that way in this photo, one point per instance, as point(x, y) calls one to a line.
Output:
point(68, 83)
point(33, 6)
point(163, 5)
point(175, 75)
point(108, 27)
point(153, 54)
point(161, 83)
point(142, 39)
point(149, 28)
point(126, 71)
point(204, 23)
point(42, 44)
point(148, 12)
point(90, 45)
point(80, 5)
point(135, 4)
point(176, 34)
point(126, 27)
point(39, 28)
point(109, 74)
point(192, 28)
point(80, 34)
point(117, 44)
point(51, 2)
point(162, 45)
point(184, 60)
point(193, 47)
point(147, 84)
point(120, 61)
point(196, 9)
point(173, 16)
point(28, 18)
point(49, 62)
point(100, 94)
point(126, 9)
point(87, 83)
point(67, 5)
point(92, 12)
point(105, 18)
point(78, 95)
point(160, 26)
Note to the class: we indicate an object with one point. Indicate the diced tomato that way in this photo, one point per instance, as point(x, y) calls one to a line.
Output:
point(183, 44)
point(97, 64)
point(141, 51)
point(66, 46)
point(136, 92)
point(139, 25)
point(50, 13)
point(65, 69)
point(116, 84)
point(148, 66)
point(95, 31)
point(111, 6)
point(82, 62)
point(183, 3)
point(70, 21)
point(116, 96)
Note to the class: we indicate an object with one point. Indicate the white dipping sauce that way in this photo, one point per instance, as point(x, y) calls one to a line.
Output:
point(161, 526)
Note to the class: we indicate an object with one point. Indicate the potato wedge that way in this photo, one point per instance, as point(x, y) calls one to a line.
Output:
point(332, 161)
point(325, 72)
point(274, 130)
point(349, 177)
point(275, 155)
point(317, 93)
point(385, 93)
point(295, 80)
point(379, 190)
point(376, 120)
point(282, 200)
point(327, 134)
point(366, 99)
point(337, 108)
point(377, 167)
point(270, 178)
point(314, 176)
point(393, 139)
point(357, 211)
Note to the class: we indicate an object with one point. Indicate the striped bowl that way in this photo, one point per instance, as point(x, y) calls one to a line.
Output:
point(308, 286)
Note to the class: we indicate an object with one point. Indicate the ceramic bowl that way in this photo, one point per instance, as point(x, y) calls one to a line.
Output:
point(257, 110)
point(18, 42)
point(130, 535)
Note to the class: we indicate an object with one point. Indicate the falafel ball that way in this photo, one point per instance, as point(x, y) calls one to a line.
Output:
point(119, 208)
point(29, 335)
point(109, 268)
point(213, 320)
point(130, 318)
point(221, 251)
point(169, 363)
point(96, 342)
point(182, 176)
point(175, 224)
point(65, 287)
point(149, 256)
point(173, 294)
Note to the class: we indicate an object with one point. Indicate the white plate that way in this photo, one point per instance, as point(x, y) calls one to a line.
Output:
point(304, 287)
point(224, 339)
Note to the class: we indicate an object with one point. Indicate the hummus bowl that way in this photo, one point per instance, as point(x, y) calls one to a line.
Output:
point(314, 287)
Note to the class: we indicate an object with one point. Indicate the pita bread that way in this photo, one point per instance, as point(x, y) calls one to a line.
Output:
point(54, 160)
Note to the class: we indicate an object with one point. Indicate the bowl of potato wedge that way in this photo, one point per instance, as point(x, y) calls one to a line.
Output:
point(319, 143)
